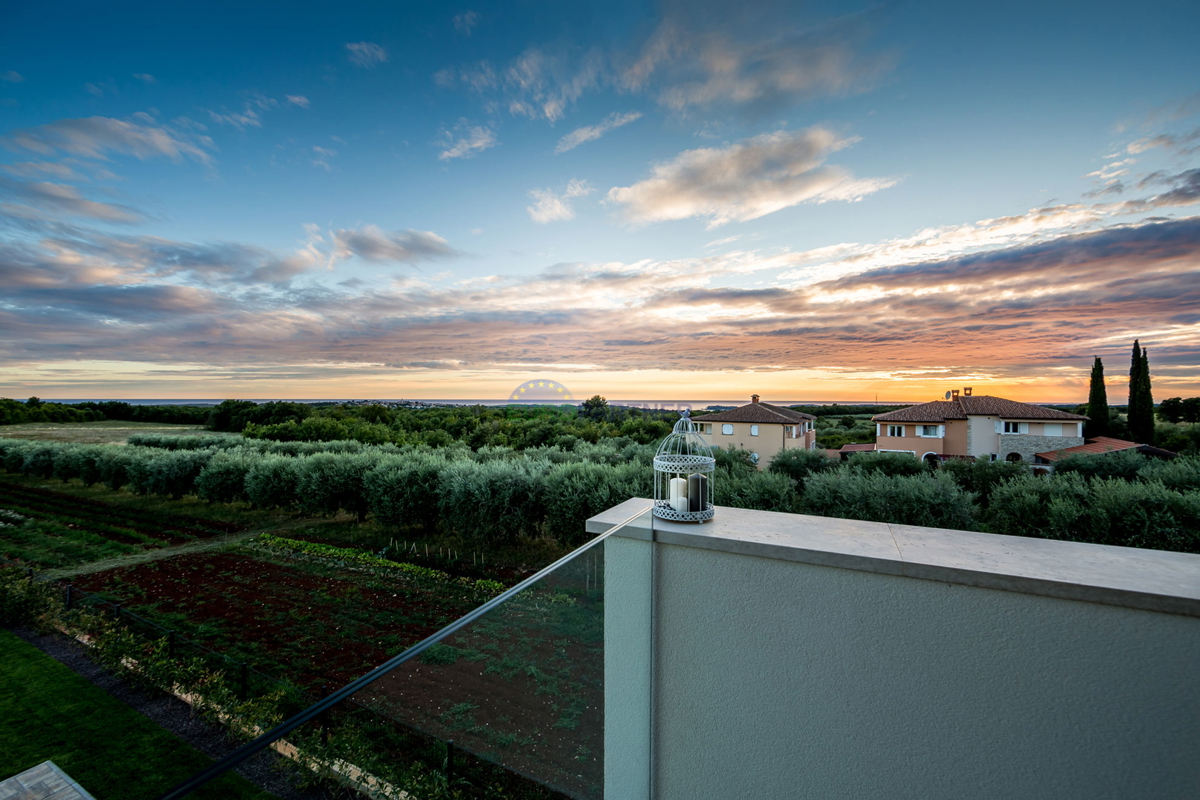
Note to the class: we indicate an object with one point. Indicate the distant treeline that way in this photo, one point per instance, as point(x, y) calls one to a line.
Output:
point(34, 409)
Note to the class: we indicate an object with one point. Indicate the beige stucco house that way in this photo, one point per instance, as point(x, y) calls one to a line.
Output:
point(977, 426)
point(759, 427)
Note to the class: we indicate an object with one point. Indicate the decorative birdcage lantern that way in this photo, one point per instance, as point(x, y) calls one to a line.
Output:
point(683, 472)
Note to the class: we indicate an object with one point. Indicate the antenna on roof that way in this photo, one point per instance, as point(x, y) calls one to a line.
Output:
point(947, 395)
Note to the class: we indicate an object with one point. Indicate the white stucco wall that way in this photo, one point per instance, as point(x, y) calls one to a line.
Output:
point(777, 678)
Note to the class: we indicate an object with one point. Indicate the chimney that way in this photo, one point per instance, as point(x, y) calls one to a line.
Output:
point(954, 393)
point(966, 391)
point(753, 398)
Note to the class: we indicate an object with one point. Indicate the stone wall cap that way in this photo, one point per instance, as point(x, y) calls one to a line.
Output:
point(1152, 580)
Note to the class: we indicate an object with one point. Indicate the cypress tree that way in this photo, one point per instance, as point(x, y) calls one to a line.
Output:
point(1097, 408)
point(1141, 401)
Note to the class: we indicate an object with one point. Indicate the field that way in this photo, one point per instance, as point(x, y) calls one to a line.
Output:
point(49, 712)
point(48, 529)
point(521, 687)
point(106, 432)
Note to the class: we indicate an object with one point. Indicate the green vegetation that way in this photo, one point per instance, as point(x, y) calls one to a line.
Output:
point(49, 712)
point(1097, 405)
point(1141, 401)
point(34, 410)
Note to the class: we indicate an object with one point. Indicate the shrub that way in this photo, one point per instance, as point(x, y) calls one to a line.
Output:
point(981, 477)
point(113, 465)
point(403, 489)
point(1020, 506)
point(933, 500)
point(223, 479)
point(575, 492)
point(496, 500)
point(1180, 474)
point(328, 482)
point(887, 463)
point(39, 459)
point(170, 473)
point(271, 482)
point(798, 464)
point(765, 491)
point(1124, 464)
point(1144, 515)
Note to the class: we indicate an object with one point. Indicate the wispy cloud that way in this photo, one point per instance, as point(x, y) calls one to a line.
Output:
point(372, 244)
point(96, 137)
point(550, 206)
point(366, 54)
point(321, 156)
point(61, 199)
point(145, 77)
point(465, 141)
point(465, 22)
point(11, 76)
point(709, 53)
point(590, 133)
point(296, 100)
point(746, 180)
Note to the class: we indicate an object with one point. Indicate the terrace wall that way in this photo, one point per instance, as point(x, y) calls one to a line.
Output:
point(800, 656)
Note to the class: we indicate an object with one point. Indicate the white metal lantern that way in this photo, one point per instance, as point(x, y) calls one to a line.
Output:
point(683, 472)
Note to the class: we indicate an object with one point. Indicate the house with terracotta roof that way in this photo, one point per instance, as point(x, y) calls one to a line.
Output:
point(978, 426)
point(761, 428)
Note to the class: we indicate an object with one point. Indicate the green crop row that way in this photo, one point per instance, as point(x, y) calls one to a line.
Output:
point(326, 551)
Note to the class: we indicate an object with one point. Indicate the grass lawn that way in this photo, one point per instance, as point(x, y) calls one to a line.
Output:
point(110, 431)
point(49, 712)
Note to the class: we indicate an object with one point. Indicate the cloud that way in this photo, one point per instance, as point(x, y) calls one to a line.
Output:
point(366, 54)
point(758, 57)
point(465, 22)
point(465, 141)
point(250, 116)
point(296, 100)
point(1180, 143)
point(372, 244)
point(321, 156)
point(145, 77)
point(746, 180)
point(590, 133)
point(95, 137)
point(538, 83)
point(12, 76)
point(61, 199)
point(551, 207)
point(708, 53)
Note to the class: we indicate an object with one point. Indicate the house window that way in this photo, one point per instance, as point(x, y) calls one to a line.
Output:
point(754, 430)
point(1012, 427)
point(1052, 429)
point(896, 430)
point(727, 429)
point(933, 431)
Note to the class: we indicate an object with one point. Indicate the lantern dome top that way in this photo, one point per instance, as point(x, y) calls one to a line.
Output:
point(684, 449)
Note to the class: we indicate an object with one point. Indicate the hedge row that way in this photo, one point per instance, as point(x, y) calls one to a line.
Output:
point(498, 494)
point(494, 494)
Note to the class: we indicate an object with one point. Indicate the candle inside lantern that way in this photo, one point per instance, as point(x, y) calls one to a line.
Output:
point(678, 494)
point(697, 492)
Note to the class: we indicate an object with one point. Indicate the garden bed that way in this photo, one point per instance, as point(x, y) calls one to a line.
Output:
point(53, 529)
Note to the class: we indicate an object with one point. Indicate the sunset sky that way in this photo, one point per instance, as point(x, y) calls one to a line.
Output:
point(825, 201)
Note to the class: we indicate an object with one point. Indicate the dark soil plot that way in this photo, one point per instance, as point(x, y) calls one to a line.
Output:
point(53, 529)
point(312, 624)
point(522, 687)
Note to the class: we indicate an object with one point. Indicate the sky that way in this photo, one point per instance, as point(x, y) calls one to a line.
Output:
point(808, 201)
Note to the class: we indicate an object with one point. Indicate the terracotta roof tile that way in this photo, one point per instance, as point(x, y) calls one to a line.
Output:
point(758, 412)
point(1103, 444)
point(979, 405)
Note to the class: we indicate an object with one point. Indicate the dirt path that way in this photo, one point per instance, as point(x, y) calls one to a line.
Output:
point(204, 545)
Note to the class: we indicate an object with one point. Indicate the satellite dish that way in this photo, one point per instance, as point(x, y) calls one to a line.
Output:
point(947, 395)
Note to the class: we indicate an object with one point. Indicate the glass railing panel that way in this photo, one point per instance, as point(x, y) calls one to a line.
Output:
point(521, 687)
